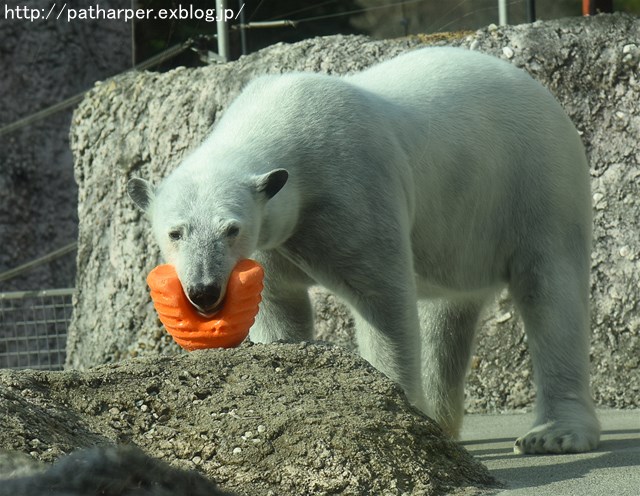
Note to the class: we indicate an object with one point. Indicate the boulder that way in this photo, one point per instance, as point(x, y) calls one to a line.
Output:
point(113, 470)
point(280, 419)
point(143, 124)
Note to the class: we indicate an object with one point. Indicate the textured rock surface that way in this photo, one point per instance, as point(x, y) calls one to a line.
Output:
point(282, 419)
point(43, 63)
point(143, 124)
point(106, 470)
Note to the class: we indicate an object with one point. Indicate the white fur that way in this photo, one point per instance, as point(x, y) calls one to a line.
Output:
point(416, 190)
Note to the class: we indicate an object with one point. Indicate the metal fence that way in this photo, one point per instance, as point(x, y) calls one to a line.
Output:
point(33, 328)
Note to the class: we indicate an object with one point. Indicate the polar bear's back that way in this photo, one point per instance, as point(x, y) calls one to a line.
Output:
point(446, 72)
point(479, 112)
point(458, 92)
point(486, 134)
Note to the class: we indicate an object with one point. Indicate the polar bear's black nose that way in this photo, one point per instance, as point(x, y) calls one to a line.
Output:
point(205, 297)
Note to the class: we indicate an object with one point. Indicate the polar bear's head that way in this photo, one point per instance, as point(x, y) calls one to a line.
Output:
point(205, 225)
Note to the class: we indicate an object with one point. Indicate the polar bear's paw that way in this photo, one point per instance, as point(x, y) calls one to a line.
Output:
point(559, 437)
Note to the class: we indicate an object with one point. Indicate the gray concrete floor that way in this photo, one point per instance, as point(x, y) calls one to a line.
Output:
point(612, 470)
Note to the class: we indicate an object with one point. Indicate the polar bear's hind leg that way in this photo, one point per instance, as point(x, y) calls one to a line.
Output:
point(552, 296)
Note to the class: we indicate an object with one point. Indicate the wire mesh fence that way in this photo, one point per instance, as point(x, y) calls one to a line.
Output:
point(33, 328)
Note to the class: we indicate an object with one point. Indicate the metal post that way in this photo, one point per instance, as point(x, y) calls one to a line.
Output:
point(243, 30)
point(222, 30)
point(133, 37)
point(404, 21)
point(502, 12)
point(531, 10)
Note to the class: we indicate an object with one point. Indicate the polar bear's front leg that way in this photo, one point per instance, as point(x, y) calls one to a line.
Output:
point(448, 329)
point(285, 312)
point(387, 331)
point(391, 352)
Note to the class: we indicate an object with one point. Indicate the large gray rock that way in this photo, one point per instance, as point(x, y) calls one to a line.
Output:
point(142, 124)
point(282, 419)
point(115, 470)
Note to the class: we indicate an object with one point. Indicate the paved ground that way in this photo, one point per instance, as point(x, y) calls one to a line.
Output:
point(612, 470)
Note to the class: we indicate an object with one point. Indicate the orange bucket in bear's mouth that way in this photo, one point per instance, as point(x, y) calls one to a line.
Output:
point(228, 327)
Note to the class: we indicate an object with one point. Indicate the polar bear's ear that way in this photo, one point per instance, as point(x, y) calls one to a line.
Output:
point(271, 182)
point(141, 192)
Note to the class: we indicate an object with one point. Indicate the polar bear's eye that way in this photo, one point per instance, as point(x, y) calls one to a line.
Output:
point(232, 231)
point(175, 235)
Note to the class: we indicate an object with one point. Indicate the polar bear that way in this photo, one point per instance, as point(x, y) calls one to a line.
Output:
point(414, 190)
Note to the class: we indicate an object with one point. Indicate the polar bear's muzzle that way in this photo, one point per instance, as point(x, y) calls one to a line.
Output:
point(207, 299)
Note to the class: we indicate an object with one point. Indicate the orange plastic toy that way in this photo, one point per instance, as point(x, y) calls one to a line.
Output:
point(228, 327)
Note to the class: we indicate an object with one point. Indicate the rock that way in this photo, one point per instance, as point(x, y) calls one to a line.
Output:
point(508, 52)
point(113, 470)
point(142, 124)
point(285, 419)
point(15, 464)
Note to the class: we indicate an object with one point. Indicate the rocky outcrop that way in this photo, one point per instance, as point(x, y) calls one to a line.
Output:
point(114, 470)
point(282, 419)
point(142, 124)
